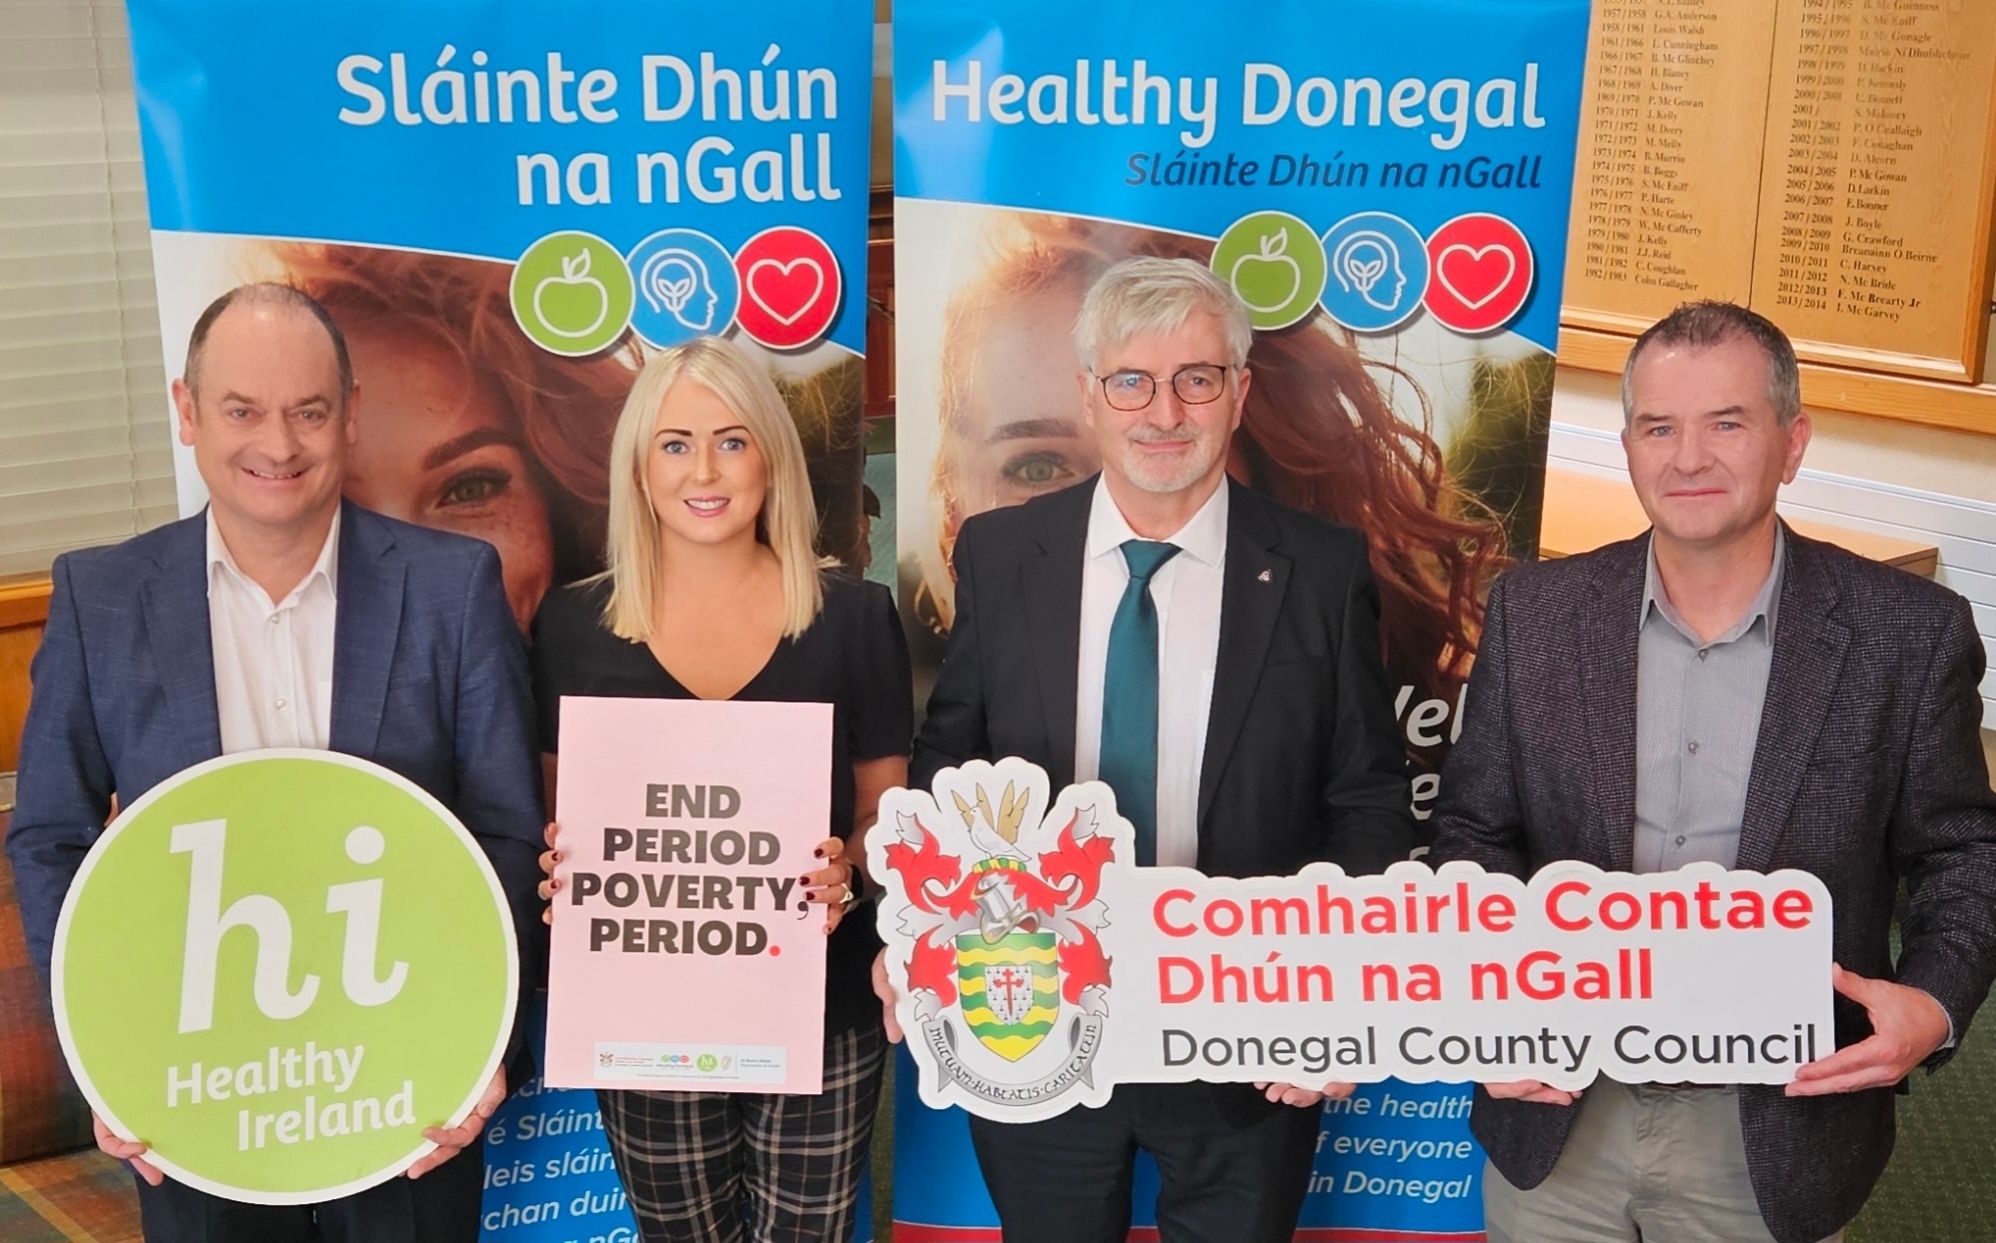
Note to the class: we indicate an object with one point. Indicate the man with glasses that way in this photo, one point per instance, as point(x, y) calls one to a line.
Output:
point(1215, 657)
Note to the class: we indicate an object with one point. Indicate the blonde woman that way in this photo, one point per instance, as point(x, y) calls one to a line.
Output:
point(714, 591)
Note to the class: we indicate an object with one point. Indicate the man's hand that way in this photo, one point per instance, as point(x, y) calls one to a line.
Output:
point(450, 1143)
point(125, 1150)
point(1305, 1098)
point(1907, 1025)
point(1531, 1090)
point(883, 988)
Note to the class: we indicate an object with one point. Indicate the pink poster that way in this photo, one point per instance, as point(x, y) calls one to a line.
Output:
point(684, 957)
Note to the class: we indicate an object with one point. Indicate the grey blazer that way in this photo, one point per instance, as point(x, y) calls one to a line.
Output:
point(1868, 772)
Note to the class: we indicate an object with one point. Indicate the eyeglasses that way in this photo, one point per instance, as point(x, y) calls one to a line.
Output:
point(1194, 385)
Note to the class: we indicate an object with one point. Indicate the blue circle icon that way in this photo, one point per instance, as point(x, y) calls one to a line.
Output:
point(687, 287)
point(1378, 271)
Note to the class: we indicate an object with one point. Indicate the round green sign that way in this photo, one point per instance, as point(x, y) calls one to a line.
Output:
point(572, 293)
point(1275, 263)
point(277, 968)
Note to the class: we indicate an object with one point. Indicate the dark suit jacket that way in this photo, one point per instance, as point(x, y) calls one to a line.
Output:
point(1302, 761)
point(429, 679)
point(1868, 771)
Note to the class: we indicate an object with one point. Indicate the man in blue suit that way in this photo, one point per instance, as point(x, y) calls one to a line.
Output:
point(280, 617)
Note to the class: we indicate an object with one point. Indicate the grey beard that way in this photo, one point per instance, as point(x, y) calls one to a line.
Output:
point(1193, 469)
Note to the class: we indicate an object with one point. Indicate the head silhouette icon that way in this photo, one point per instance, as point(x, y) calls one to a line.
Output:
point(675, 282)
point(1367, 263)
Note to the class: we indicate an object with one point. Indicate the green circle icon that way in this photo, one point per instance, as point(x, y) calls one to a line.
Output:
point(572, 293)
point(1275, 263)
point(277, 968)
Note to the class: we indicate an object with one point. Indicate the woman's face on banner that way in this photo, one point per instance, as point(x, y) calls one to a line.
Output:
point(1020, 431)
point(437, 450)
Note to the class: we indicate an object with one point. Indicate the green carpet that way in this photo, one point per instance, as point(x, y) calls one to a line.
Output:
point(1941, 1185)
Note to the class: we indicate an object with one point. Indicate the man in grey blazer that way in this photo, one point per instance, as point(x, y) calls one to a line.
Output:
point(280, 617)
point(1723, 689)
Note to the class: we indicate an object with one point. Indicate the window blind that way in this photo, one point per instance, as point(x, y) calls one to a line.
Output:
point(85, 442)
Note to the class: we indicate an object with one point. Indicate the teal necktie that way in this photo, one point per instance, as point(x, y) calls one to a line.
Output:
point(1129, 697)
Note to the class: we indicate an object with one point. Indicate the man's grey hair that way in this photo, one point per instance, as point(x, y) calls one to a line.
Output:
point(1146, 295)
point(1703, 324)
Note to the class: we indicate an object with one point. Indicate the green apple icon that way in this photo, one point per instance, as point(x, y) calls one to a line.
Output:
point(572, 293)
point(1275, 262)
point(575, 291)
point(1267, 279)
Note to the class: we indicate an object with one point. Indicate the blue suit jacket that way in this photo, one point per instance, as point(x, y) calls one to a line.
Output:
point(429, 679)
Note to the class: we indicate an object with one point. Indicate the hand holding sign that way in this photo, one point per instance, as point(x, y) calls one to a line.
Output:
point(1304, 1098)
point(1531, 1090)
point(452, 1140)
point(1907, 1025)
point(831, 884)
point(112, 1144)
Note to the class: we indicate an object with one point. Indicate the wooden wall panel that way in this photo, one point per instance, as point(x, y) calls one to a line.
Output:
point(1875, 192)
point(1831, 163)
point(1675, 107)
point(23, 607)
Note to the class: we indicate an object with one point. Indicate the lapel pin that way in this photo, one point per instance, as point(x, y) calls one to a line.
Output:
point(1265, 577)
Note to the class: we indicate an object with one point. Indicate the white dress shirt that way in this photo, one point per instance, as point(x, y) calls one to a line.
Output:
point(1186, 592)
point(273, 662)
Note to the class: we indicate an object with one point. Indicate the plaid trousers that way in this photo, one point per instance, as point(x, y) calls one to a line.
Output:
point(741, 1167)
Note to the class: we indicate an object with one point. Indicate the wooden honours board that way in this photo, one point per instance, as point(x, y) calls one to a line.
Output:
point(1676, 110)
point(1882, 110)
point(1831, 163)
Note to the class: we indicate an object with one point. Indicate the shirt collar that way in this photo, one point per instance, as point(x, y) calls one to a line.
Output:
point(1204, 536)
point(1766, 603)
point(326, 568)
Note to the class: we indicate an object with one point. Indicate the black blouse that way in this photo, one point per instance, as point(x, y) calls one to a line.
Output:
point(852, 657)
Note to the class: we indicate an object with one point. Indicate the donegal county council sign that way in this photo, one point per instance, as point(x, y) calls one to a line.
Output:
point(277, 968)
point(1037, 966)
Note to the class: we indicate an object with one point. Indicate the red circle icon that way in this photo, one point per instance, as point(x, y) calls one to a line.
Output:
point(790, 287)
point(1482, 273)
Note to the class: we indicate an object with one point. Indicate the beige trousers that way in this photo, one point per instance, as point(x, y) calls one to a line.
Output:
point(1641, 1165)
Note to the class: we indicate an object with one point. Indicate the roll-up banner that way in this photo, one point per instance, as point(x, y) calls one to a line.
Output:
point(1386, 186)
point(508, 207)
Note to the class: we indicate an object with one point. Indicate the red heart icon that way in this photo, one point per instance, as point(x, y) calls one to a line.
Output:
point(1476, 276)
point(1482, 268)
point(790, 287)
point(786, 290)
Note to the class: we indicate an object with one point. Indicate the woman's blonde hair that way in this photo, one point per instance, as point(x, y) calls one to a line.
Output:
point(788, 522)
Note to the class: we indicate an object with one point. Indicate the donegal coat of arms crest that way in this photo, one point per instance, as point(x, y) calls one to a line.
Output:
point(992, 921)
